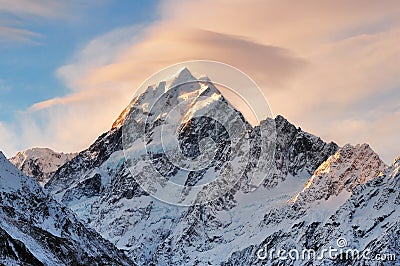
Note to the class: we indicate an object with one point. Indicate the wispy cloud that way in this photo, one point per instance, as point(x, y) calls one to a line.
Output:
point(11, 34)
point(101, 51)
point(316, 61)
point(17, 16)
point(43, 8)
point(8, 141)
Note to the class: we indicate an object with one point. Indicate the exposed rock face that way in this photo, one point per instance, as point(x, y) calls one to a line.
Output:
point(308, 196)
point(342, 172)
point(40, 163)
point(14, 252)
point(297, 152)
point(367, 218)
point(99, 188)
point(36, 230)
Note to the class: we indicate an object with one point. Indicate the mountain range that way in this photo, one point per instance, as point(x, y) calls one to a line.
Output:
point(287, 190)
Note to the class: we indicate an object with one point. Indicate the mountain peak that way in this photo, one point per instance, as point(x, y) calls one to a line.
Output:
point(281, 118)
point(40, 163)
point(347, 168)
point(283, 123)
point(34, 152)
point(182, 76)
point(181, 86)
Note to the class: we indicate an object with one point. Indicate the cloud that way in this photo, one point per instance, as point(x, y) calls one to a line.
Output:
point(99, 52)
point(296, 25)
point(349, 93)
point(163, 47)
point(322, 64)
point(73, 124)
point(11, 34)
point(18, 15)
point(8, 141)
point(367, 129)
point(44, 8)
point(102, 82)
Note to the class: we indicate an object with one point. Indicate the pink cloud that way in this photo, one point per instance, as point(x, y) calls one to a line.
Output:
point(315, 61)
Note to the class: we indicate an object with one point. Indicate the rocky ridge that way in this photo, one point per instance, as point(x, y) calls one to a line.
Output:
point(37, 230)
point(40, 163)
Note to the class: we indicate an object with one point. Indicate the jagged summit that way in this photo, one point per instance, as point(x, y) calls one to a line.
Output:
point(349, 167)
point(40, 163)
point(281, 119)
point(182, 86)
point(38, 152)
point(182, 76)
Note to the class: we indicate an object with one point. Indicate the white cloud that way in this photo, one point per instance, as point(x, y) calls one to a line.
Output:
point(99, 52)
point(8, 141)
point(43, 8)
point(17, 16)
point(320, 63)
point(11, 34)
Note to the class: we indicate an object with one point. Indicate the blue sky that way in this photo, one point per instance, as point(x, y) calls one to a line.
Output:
point(68, 69)
point(28, 67)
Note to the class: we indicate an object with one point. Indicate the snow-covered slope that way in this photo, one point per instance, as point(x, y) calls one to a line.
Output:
point(212, 233)
point(40, 163)
point(313, 192)
point(367, 221)
point(99, 188)
point(36, 230)
point(341, 173)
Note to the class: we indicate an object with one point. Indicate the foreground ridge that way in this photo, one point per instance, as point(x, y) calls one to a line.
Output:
point(37, 230)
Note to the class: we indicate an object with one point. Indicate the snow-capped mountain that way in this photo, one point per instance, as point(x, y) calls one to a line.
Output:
point(265, 217)
point(278, 189)
point(365, 220)
point(40, 163)
point(36, 230)
point(306, 191)
point(341, 173)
